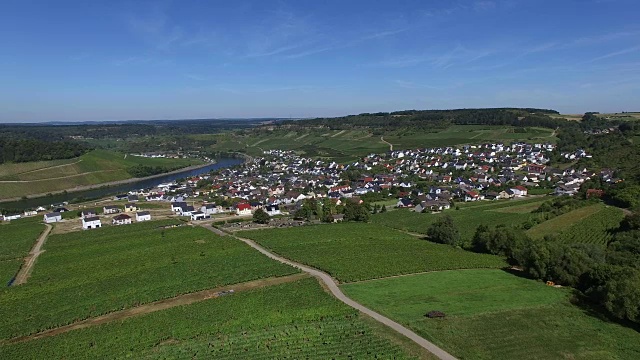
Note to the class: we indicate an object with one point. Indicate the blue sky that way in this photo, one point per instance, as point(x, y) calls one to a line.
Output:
point(115, 60)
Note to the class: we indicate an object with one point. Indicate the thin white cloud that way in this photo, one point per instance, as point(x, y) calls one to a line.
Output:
point(615, 53)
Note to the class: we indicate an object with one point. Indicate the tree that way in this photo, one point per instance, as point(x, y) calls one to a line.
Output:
point(445, 232)
point(383, 209)
point(356, 212)
point(261, 217)
point(622, 294)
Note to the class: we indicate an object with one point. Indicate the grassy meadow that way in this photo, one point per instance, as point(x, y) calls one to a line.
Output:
point(357, 251)
point(95, 167)
point(290, 321)
point(89, 273)
point(491, 314)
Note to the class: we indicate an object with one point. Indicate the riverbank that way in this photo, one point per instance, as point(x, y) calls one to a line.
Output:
point(108, 184)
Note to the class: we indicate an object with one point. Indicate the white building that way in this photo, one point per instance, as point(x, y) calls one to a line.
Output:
point(91, 223)
point(110, 209)
point(11, 217)
point(143, 216)
point(273, 210)
point(177, 206)
point(198, 215)
point(122, 219)
point(210, 209)
point(52, 217)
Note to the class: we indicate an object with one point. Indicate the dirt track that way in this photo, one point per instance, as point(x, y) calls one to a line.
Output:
point(30, 260)
point(332, 286)
point(159, 305)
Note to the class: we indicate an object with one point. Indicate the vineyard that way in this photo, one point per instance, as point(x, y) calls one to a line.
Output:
point(595, 229)
point(467, 219)
point(356, 251)
point(291, 321)
point(89, 273)
point(491, 314)
point(16, 239)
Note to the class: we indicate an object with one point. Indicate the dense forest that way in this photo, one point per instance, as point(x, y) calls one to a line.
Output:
point(437, 119)
point(36, 142)
point(23, 150)
point(123, 130)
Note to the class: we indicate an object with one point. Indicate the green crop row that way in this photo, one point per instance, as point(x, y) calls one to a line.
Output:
point(89, 273)
point(290, 321)
point(595, 229)
point(356, 251)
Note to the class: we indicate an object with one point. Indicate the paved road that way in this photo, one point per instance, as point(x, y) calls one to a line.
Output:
point(335, 290)
point(30, 260)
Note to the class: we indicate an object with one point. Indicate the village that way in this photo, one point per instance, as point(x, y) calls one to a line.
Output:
point(279, 182)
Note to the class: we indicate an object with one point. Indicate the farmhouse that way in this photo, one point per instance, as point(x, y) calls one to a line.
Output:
point(143, 216)
point(30, 213)
point(52, 217)
point(198, 215)
point(132, 198)
point(130, 207)
point(110, 209)
point(122, 219)
point(91, 222)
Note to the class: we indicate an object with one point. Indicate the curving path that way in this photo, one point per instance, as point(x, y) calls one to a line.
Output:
point(335, 290)
point(386, 142)
point(30, 260)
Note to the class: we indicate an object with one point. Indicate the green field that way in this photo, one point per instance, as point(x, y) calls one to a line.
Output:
point(348, 145)
point(16, 239)
point(95, 167)
point(467, 219)
point(591, 224)
point(290, 321)
point(595, 229)
point(491, 314)
point(89, 273)
point(559, 223)
point(357, 251)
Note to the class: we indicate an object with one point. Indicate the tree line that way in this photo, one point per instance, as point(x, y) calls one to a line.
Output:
point(437, 119)
point(607, 276)
point(24, 150)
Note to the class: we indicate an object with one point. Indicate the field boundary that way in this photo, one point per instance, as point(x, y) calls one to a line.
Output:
point(186, 299)
point(30, 260)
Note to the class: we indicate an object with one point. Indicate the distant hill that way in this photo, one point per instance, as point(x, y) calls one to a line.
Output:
point(438, 119)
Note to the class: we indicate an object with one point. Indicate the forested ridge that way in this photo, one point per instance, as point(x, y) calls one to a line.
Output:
point(437, 119)
point(24, 150)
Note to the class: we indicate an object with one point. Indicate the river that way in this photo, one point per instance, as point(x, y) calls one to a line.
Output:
point(118, 189)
